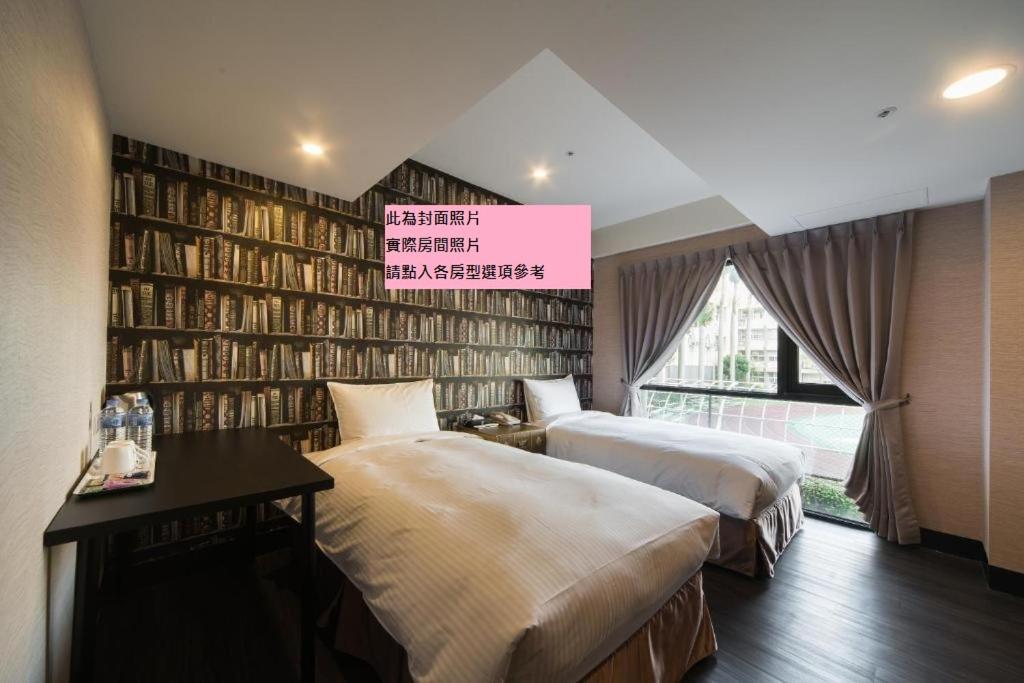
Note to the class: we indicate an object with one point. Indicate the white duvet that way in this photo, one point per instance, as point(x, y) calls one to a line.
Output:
point(490, 563)
point(736, 474)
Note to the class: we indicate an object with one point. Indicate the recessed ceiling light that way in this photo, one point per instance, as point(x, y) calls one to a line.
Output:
point(977, 82)
point(540, 173)
point(313, 149)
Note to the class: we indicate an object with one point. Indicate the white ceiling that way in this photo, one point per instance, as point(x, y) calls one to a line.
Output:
point(532, 119)
point(244, 82)
point(771, 104)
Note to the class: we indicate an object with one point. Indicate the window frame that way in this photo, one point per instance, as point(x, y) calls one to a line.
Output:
point(789, 378)
point(789, 387)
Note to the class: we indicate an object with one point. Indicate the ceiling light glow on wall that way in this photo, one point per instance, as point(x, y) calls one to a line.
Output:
point(977, 82)
point(312, 149)
point(539, 173)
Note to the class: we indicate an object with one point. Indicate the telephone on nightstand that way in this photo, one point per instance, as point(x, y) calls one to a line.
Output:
point(504, 419)
point(472, 420)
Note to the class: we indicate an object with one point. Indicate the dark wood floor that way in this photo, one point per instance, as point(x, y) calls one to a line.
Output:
point(847, 606)
point(843, 606)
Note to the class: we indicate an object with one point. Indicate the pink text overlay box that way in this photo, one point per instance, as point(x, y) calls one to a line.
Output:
point(510, 242)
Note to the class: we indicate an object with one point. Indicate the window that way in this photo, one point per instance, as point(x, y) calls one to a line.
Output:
point(736, 370)
point(736, 346)
point(810, 372)
point(732, 346)
point(826, 433)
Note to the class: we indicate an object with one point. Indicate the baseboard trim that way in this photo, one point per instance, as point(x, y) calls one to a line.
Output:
point(1004, 580)
point(953, 545)
point(997, 578)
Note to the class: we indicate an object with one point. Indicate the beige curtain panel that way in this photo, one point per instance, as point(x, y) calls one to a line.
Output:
point(660, 299)
point(840, 292)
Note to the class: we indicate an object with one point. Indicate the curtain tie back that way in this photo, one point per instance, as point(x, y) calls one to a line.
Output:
point(886, 404)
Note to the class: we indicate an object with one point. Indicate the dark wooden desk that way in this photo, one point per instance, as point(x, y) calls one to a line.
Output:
point(196, 474)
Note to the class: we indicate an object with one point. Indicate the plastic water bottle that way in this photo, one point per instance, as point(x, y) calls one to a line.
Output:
point(140, 424)
point(112, 423)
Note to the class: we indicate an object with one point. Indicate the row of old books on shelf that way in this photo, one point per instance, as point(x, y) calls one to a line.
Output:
point(303, 407)
point(140, 303)
point(477, 395)
point(313, 439)
point(190, 528)
point(577, 294)
point(370, 206)
point(503, 302)
point(454, 396)
point(223, 259)
point(144, 194)
point(436, 188)
point(203, 529)
point(221, 358)
point(475, 362)
point(199, 411)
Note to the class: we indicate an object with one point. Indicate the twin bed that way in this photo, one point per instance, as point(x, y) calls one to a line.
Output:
point(466, 560)
point(486, 563)
point(752, 482)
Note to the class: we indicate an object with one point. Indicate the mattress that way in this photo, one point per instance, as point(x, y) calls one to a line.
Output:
point(485, 562)
point(736, 474)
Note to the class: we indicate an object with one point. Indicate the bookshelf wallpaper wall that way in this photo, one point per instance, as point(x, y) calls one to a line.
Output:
point(235, 298)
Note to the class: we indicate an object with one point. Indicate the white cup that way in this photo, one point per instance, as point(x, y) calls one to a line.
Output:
point(118, 457)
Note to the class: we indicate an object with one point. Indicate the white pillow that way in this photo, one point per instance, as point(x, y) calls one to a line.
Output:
point(548, 398)
point(384, 409)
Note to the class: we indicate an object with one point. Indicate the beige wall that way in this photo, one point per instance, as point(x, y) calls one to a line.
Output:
point(942, 364)
point(942, 370)
point(701, 217)
point(607, 330)
point(1005, 454)
point(54, 203)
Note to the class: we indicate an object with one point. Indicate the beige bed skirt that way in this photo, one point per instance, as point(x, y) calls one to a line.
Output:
point(753, 546)
point(678, 636)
